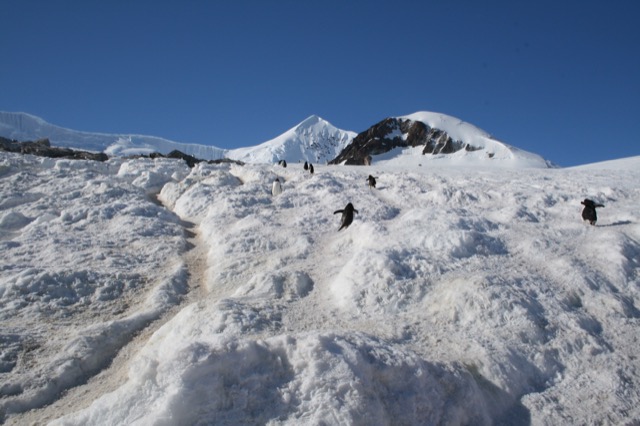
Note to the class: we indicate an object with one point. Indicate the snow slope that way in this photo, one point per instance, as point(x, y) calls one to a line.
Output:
point(491, 152)
point(457, 296)
point(22, 127)
point(314, 140)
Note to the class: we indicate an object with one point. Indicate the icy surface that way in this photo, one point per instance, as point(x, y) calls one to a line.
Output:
point(458, 295)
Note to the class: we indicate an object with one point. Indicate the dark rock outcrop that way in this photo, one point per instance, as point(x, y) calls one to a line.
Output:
point(191, 160)
point(397, 133)
point(43, 148)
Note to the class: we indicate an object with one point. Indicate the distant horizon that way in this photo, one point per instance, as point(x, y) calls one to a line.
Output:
point(88, 132)
point(556, 78)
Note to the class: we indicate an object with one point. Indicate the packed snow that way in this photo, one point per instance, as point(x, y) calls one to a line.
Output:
point(144, 292)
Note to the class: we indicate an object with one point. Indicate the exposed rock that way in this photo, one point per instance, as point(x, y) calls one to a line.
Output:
point(190, 159)
point(43, 148)
point(398, 133)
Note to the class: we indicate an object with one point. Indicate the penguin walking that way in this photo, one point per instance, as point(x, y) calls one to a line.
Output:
point(276, 189)
point(306, 165)
point(310, 168)
point(589, 211)
point(347, 215)
point(372, 181)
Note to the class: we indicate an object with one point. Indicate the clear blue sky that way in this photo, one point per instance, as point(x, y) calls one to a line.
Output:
point(559, 78)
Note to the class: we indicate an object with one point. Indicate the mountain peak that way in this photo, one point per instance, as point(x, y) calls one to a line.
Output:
point(314, 139)
point(311, 120)
point(423, 136)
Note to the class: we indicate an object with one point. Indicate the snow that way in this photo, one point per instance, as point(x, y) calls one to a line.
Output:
point(630, 163)
point(501, 154)
point(145, 292)
point(26, 127)
point(314, 139)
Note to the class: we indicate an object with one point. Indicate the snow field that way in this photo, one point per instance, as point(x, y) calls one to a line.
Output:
point(457, 296)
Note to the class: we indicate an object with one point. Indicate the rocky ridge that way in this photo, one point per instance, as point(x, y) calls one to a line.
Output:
point(393, 133)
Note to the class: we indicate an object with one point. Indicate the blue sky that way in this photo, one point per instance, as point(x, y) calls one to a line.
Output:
point(558, 78)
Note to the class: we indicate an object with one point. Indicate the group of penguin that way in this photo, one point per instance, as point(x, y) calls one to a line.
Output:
point(588, 213)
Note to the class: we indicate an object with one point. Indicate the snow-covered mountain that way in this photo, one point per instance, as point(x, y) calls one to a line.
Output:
point(407, 141)
point(428, 136)
point(315, 140)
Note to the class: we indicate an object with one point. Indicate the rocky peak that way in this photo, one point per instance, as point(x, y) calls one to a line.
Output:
point(393, 133)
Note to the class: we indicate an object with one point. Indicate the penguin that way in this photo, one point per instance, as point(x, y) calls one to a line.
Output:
point(306, 165)
point(276, 189)
point(589, 211)
point(310, 168)
point(347, 215)
point(372, 181)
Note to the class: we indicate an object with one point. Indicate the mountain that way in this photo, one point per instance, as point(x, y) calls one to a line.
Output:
point(406, 141)
point(21, 126)
point(425, 136)
point(315, 140)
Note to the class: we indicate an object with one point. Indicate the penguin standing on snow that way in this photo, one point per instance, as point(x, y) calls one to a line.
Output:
point(276, 189)
point(589, 211)
point(310, 168)
point(347, 215)
point(306, 165)
point(372, 181)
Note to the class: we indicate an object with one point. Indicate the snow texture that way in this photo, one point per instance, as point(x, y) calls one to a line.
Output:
point(458, 295)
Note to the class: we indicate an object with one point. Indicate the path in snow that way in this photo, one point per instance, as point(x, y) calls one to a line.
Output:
point(486, 281)
point(112, 377)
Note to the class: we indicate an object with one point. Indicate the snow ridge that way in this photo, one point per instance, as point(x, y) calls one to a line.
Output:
point(22, 127)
